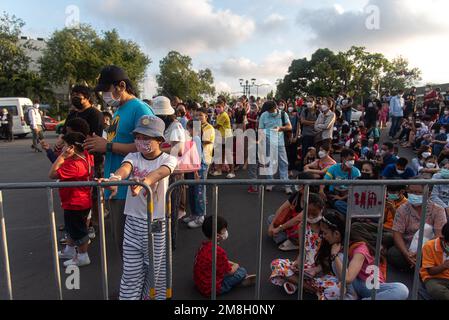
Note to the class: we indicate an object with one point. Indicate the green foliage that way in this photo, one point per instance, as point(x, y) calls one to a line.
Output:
point(355, 71)
point(77, 55)
point(178, 79)
point(15, 78)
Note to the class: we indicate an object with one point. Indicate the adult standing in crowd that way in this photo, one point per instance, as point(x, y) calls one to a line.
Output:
point(6, 121)
point(118, 92)
point(324, 125)
point(276, 123)
point(410, 103)
point(36, 125)
point(397, 105)
point(307, 119)
point(372, 108)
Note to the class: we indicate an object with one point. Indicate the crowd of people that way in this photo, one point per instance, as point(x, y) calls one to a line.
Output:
point(309, 138)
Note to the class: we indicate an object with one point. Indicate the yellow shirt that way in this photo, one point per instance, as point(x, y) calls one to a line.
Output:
point(224, 125)
point(208, 140)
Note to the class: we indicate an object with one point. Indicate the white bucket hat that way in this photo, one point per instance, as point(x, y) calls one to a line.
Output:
point(162, 107)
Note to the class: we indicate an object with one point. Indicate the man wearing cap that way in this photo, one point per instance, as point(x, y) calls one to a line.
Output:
point(118, 93)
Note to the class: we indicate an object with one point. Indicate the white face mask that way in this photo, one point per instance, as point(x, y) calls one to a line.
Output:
point(110, 100)
point(36, 105)
point(425, 155)
point(315, 220)
point(322, 154)
point(400, 171)
point(309, 104)
point(324, 108)
point(430, 165)
point(291, 109)
point(224, 236)
point(350, 164)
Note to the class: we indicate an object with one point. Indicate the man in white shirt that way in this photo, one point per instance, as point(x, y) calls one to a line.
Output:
point(36, 125)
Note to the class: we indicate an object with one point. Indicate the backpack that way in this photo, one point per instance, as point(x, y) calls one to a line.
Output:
point(28, 117)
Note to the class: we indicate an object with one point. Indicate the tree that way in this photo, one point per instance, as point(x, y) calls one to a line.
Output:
point(399, 75)
point(15, 78)
point(177, 78)
point(77, 55)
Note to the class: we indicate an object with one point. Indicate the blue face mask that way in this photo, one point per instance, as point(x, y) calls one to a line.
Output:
point(393, 197)
point(414, 199)
point(444, 173)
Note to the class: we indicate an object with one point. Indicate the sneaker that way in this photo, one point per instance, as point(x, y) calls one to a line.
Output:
point(216, 173)
point(188, 219)
point(61, 228)
point(78, 260)
point(253, 190)
point(288, 191)
point(92, 233)
point(197, 223)
point(67, 254)
point(269, 188)
point(230, 176)
point(290, 288)
point(288, 246)
point(249, 281)
point(63, 240)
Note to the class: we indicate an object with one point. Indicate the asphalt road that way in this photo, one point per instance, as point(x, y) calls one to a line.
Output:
point(28, 232)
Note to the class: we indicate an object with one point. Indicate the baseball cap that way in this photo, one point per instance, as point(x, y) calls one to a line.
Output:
point(150, 126)
point(108, 76)
point(162, 106)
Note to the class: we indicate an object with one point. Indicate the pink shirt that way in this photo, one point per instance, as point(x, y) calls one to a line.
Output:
point(365, 273)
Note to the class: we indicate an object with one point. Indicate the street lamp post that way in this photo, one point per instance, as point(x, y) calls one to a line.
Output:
point(247, 85)
point(260, 85)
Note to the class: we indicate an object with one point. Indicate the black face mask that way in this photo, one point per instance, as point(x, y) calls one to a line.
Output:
point(76, 102)
point(366, 176)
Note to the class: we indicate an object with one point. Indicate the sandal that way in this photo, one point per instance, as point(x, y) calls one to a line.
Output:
point(288, 246)
point(290, 288)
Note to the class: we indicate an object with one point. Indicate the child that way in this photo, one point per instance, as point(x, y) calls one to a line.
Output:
point(229, 274)
point(383, 115)
point(435, 266)
point(197, 194)
point(153, 167)
point(75, 164)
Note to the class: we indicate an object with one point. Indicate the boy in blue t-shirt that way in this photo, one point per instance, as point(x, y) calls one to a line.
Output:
point(118, 92)
point(345, 170)
point(398, 170)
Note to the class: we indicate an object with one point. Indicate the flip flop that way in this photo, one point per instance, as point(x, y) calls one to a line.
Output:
point(290, 288)
point(288, 246)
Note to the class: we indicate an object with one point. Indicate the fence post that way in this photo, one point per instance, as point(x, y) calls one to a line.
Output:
point(260, 239)
point(54, 241)
point(302, 247)
point(346, 249)
point(379, 242)
point(169, 261)
point(5, 249)
point(420, 243)
point(214, 243)
point(150, 209)
point(104, 260)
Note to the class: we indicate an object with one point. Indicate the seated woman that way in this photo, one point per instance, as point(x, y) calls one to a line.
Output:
point(285, 225)
point(418, 163)
point(319, 167)
point(430, 167)
point(361, 261)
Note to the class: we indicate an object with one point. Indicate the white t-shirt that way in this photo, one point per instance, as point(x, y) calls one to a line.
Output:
point(141, 167)
point(175, 133)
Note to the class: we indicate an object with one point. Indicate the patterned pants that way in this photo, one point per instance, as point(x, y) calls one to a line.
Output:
point(137, 279)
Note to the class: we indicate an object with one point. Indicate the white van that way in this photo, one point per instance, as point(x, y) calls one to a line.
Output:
point(17, 107)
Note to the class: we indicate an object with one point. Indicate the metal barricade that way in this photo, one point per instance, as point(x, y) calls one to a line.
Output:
point(352, 184)
point(56, 185)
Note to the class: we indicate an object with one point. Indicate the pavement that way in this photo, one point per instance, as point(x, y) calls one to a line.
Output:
point(28, 232)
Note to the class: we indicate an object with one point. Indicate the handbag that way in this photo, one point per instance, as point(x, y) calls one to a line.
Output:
point(190, 161)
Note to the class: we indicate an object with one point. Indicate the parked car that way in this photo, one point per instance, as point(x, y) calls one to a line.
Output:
point(356, 115)
point(50, 123)
point(17, 107)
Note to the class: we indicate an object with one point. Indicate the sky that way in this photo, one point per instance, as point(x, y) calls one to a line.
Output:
point(255, 39)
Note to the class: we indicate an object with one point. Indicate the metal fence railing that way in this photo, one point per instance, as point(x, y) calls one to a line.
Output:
point(354, 186)
point(56, 185)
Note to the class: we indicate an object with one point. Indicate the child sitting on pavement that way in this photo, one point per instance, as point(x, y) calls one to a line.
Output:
point(229, 274)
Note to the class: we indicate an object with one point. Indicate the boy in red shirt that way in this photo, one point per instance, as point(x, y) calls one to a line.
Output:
point(229, 274)
point(74, 164)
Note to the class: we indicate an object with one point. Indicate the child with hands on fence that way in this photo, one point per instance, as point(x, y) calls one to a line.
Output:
point(152, 167)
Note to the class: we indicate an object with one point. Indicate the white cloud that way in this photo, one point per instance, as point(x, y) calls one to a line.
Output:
point(273, 66)
point(190, 26)
point(339, 8)
point(273, 23)
point(222, 86)
point(398, 20)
